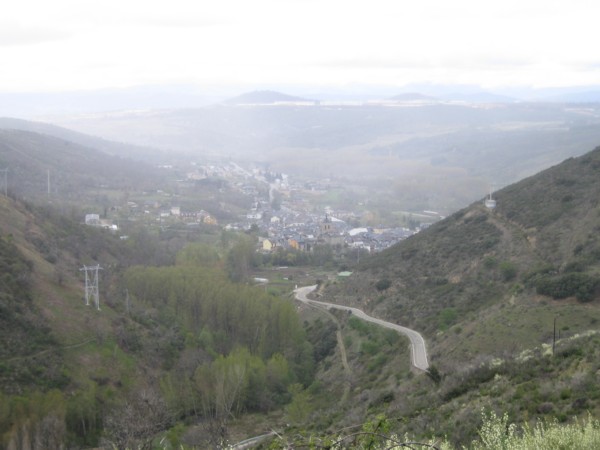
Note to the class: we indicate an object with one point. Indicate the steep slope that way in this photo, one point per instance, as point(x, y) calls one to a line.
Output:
point(23, 331)
point(487, 281)
point(61, 362)
point(41, 308)
point(508, 301)
point(70, 373)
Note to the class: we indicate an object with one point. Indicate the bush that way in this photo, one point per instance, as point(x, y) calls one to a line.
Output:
point(576, 284)
point(383, 284)
point(498, 433)
point(508, 270)
point(447, 317)
point(535, 274)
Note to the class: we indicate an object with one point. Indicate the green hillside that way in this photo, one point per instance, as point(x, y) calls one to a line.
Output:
point(181, 337)
point(492, 291)
point(23, 331)
point(491, 281)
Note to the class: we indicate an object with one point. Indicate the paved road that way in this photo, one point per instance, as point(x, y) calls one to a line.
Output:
point(251, 442)
point(417, 343)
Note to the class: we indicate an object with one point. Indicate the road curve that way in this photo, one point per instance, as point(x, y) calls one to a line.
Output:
point(417, 343)
point(251, 442)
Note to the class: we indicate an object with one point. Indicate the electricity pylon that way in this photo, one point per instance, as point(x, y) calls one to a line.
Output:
point(91, 284)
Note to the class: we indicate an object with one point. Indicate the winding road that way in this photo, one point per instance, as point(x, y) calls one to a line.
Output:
point(417, 343)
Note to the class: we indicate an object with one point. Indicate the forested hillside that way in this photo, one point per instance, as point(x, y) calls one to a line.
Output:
point(23, 331)
point(181, 337)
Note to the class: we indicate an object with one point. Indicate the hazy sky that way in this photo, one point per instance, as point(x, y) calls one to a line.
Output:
point(82, 44)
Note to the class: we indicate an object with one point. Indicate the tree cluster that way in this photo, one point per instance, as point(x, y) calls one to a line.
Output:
point(243, 347)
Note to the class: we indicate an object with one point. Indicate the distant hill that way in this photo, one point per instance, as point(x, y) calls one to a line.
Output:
point(110, 147)
point(453, 150)
point(575, 97)
point(412, 97)
point(74, 169)
point(491, 281)
point(263, 98)
point(480, 97)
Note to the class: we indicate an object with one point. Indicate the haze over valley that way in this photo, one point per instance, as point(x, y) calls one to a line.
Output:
point(299, 224)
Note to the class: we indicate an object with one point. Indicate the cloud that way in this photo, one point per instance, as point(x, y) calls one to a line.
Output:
point(12, 34)
point(393, 63)
point(94, 44)
point(184, 22)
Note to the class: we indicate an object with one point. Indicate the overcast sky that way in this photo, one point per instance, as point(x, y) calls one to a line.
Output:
point(81, 44)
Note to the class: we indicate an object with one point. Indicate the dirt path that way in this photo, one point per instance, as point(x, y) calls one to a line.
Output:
point(43, 352)
point(342, 347)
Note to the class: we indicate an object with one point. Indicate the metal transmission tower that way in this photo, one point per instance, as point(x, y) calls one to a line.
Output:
point(91, 284)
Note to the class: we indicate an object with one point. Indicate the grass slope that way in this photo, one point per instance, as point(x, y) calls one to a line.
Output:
point(471, 283)
point(492, 281)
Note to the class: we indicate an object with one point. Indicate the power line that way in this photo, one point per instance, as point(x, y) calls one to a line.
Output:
point(91, 284)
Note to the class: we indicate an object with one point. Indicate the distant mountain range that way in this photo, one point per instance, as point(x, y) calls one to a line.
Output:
point(467, 96)
point(31, 105)
point(412, 97)
point(264, 98)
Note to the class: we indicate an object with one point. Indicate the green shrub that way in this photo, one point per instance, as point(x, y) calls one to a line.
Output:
point(538, 272)
point(383, 284)
point(490, 262)
point(447, 317)
point(576, 284)
point(508, 270)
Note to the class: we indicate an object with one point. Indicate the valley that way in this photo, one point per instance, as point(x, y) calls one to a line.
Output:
point(436, 314)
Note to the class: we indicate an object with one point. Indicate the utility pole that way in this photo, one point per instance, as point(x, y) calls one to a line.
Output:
point(91, 284)
point(554, 337)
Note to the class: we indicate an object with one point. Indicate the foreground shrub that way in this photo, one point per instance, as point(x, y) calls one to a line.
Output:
point(497, 433)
